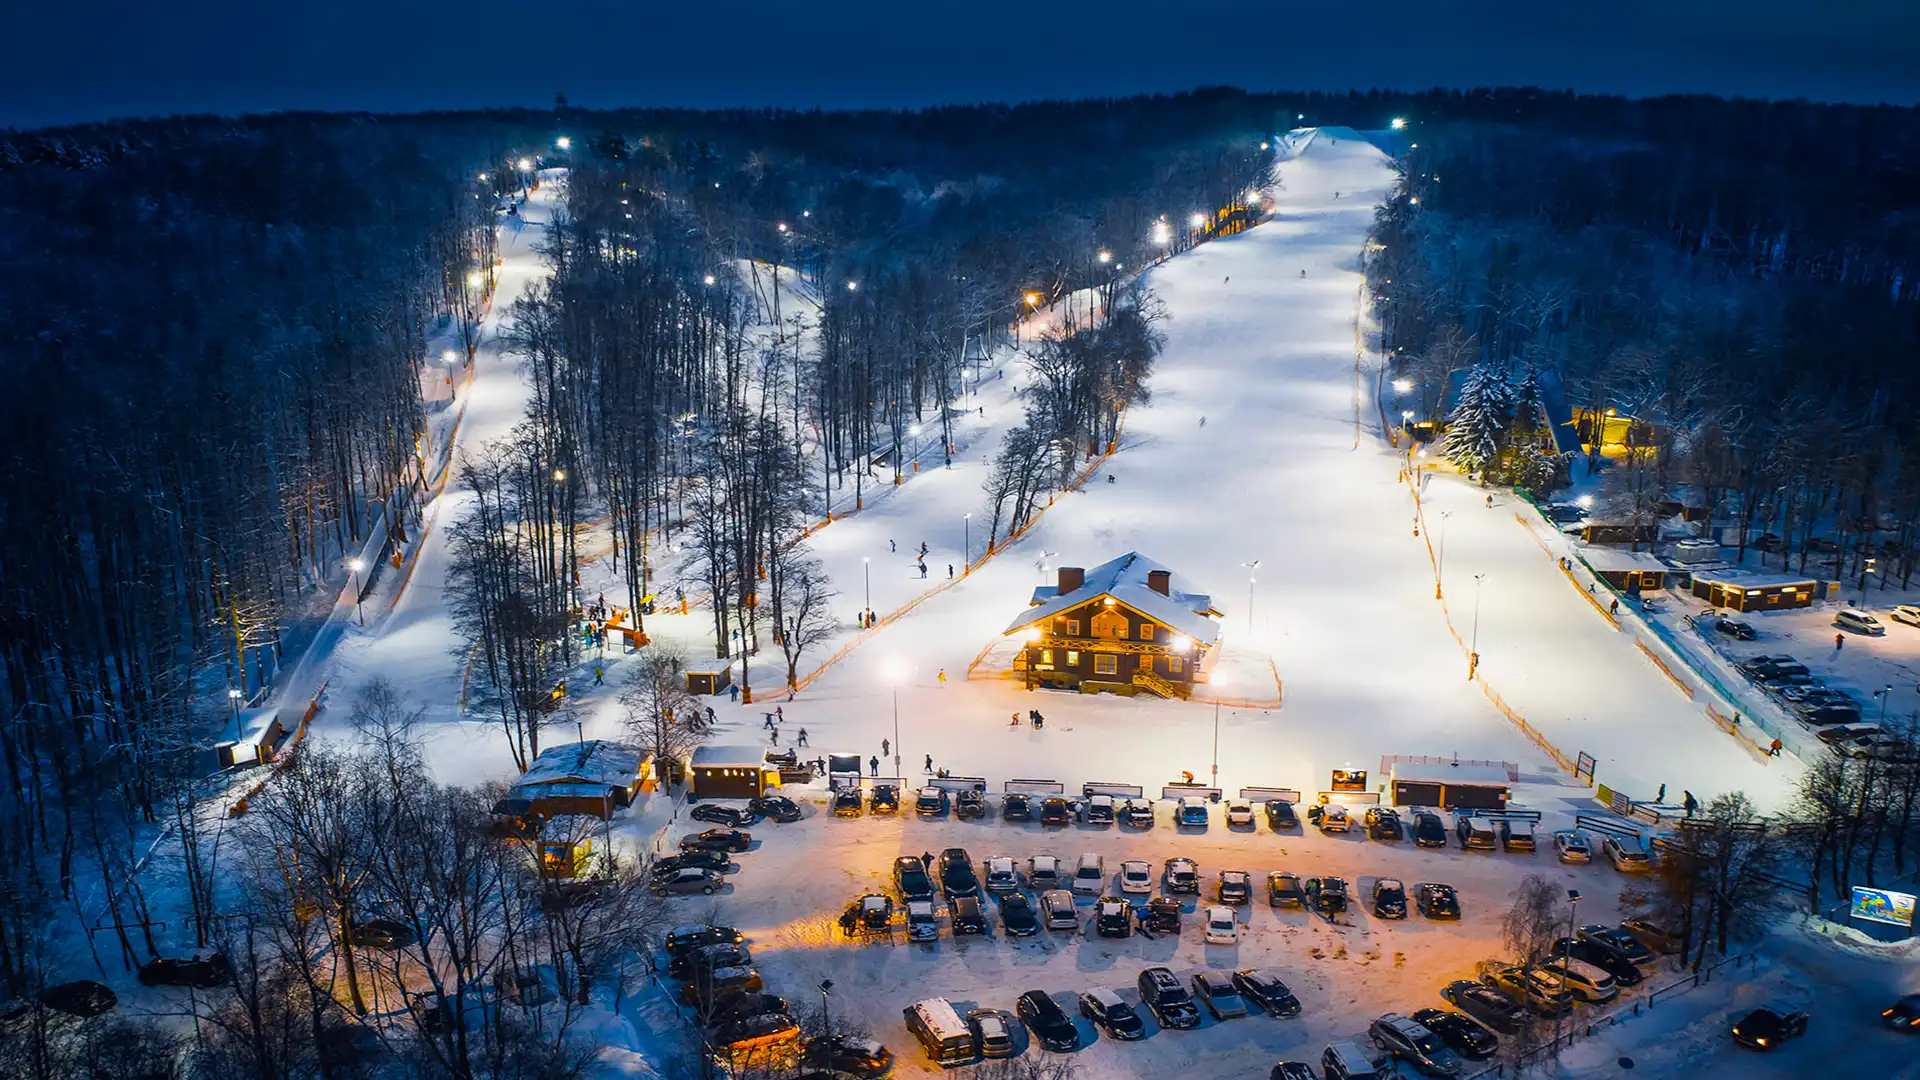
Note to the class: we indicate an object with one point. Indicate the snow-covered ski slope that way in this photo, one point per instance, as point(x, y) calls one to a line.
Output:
point(1279, 472)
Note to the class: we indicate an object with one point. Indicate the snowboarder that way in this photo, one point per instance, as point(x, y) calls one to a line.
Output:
point(1613, 607)
point(1186, 777)
point(1039, 720)
point(1303, 272)
point(891, 546)
point(949, 571)
point(1774, 749)
point(1109, 478)
point(929, 767)
point(1662, 796)
point(886, 747)
point(923, 571)
point(709, 714)
point(776, 736)
point(802, 741)
point(923, 549)
point(1013, 719)
point(873, 764)
point(1489, 502)
point(768, 723)
point(1203, 421)
point(1689, 803)
point(779, 714)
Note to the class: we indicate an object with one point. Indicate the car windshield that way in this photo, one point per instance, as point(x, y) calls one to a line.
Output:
point(1392, 892)
point(1428, 1044)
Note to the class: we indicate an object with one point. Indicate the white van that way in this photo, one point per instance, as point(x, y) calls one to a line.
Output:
point(1090, 875)
point(945, 1037)
point(1859, 622)
point(1583, 980)
point(1056, 907)
point(1344, 1061)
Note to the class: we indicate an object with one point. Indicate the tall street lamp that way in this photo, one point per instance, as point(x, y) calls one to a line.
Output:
point(233, 700)
point(1440, 570)
point(895, 672)
point(1044, 556)
point(826, 1020)
point(357, 565)
point(1883, 694)
point(1216, 682)
point(966, 542)
point(1473, 652)
point(1253, 569)
point(1573, 908)
point(866, 566)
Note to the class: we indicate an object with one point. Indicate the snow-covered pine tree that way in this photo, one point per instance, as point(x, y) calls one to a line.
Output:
point(1479, 421)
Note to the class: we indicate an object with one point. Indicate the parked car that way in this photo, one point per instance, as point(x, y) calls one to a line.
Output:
point(1284, 889)
point(1466, 1036)
point(1216, 991)
point(1267, 990)
point(1016, 807)
point(1090, 874)
point(1529, 986)
point(970, 805)
point(1332, 818)
point(1043, 872)
point(956, 873)
point(1055, 811)
point(1161, 992)
point(1163, 915)
point(1906, 613)
point(1017, 914)
point(1428, 830)
point(1584, 981)
point(1233, 887)
point(1002, 878)
point(1097, 810)
point(775, 807)
point(1280, 815)
point(687, 880)
point(1192, 812)
point(1824, 715)
point(724, 815)
point(967, 916)
point(849, 1054)
point(1111, 1015)
point(1389, 898)
point(688, 937)
point(1383, 823)
point(1903, 1015)
point(708, 958)
point(1516, 834)
point(1056, 908)
point(1239, 814)
point(1476, 834)
point(1627, 854)
point(1436, 901)
point(1654, 936)
point(1221, 926)
point(1327, 895)
point(1485, 1004)
point(1409, 1040)
point(1621, 944)
point(931, 802)
point(910, 876)
point(718, 840)
point(923, 923)
point(1625, 972)
point(1572, 846)
point(82, 997)
point(992, 1033)
point(697, 858)
point(870, 914)
point(1770, 1025)
point(743, 1006)
point(199, 972)
point(1113, 917)
point(1136, 876)
point(1733, 628)
point(1048, 1021)
point(846, 802)
point(1858, 622)
point(1181, 876)
point(1136, 814)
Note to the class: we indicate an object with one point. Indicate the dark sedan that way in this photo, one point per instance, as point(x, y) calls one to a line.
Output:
point(776, 808)
point(1048, 1021)
point(1767, 1027)
point(956, 874)
point(1280, 815)
point(717, 840)
point(1437, 901)
point(201, 973)
point(733, 818)
point(884, 800)
point(970, 805)
point(1903, 1015)
point(1485, 1004)
point(1733, 628)
point(684, 939)
point(911, 878)
point(1018, 916)
point(1267, 990)
point(1055, 812)
point(1428, 829)
point(1465, 1035)
point(1624, 971)
point(1016, 808)
point(851, 1055)
point(694, 859)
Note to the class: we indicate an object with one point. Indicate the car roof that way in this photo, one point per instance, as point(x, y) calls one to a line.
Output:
point(1215, 979)
point(1105, 996)
point(1220, 911)
point(1388, 883)
point(1132, 865)
point(1181, 859)
point(1038, 860)
point(1090, 858)
point(1057, 896)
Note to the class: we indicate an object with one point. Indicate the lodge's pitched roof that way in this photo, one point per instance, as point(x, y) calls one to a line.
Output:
point(1125, 580)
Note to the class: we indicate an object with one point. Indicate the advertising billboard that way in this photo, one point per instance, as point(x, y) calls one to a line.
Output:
point(1882, 906)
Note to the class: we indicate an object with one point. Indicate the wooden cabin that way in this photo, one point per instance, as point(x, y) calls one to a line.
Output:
point(1119, 628)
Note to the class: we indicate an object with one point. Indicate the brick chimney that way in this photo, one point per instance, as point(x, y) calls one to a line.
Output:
point(1071, 578)
point(1160, 581)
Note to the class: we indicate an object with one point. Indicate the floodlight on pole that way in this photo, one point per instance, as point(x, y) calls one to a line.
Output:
point(1198, 221)
point(1401, 386)
point(357, 565)
point(1106, 256)
point(1399, 123)
point(853, 286)
point(476, 279)
point(1440, 564)
point(563, 143)
point(1216, 681)
point(1033, 299)
point(966, 540)
point(895, 673)
point(526, 164)
point(866, 566)
point(708, 279)
point(1253, 575)
point(1473, 651)
point(1162, 233)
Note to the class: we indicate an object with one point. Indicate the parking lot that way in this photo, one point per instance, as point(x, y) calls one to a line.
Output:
point(794, 883)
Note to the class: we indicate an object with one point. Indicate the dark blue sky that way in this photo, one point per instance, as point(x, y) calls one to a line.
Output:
point(66, 60)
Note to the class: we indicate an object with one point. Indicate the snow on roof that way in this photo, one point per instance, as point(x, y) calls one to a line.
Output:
point(735, 756)
point(1125, 579)
point(1613, 559)
point(1449, 773)
point(1749, 580)
point(256, 724)
point(595, 761)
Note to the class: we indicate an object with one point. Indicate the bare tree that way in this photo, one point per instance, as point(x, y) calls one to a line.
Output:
point(802, 606)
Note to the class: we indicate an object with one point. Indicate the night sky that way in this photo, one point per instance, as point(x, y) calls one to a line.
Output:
point(68, 61)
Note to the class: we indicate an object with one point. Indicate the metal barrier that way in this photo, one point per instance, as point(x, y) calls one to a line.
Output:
point(1118, 791)
point(1270, 794)
point(958, 783)
point(1181, 791)
point(1034, 787)
point(1605, 825)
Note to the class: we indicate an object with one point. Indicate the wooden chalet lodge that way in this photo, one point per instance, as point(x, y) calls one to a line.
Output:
point(1119, 628)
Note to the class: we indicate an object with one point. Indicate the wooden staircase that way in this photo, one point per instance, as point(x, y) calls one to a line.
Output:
point(1160, 686)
